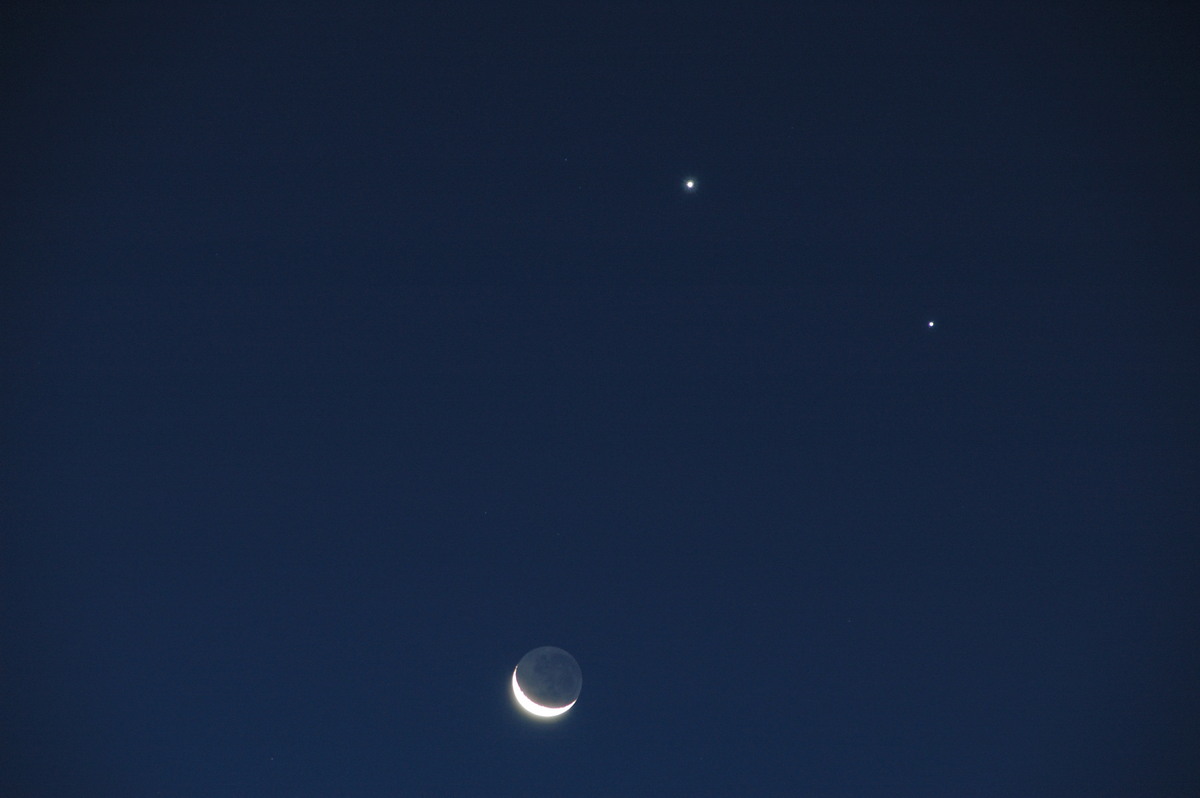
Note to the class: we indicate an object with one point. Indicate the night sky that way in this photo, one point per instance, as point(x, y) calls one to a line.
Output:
point(350, 352)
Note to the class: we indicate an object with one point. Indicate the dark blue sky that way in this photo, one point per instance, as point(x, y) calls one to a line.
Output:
point(350, 353)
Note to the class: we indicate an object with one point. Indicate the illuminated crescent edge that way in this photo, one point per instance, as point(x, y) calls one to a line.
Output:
point(533, 708)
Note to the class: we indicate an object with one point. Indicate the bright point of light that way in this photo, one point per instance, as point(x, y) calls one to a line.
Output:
point(931, 324)
point(532, 708)
point(689, 184)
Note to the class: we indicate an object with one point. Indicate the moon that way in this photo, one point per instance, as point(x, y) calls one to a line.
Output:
point(546, 682)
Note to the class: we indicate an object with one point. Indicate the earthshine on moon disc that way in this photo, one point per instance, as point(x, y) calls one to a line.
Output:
point(546, 682)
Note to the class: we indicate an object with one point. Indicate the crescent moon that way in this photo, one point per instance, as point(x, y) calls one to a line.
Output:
point(531, 706)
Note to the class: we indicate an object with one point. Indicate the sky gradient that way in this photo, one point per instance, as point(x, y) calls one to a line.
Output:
point(349, 353)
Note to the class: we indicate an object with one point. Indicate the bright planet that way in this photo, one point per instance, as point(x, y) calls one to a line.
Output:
point(546, 682)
